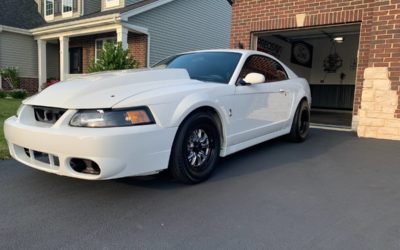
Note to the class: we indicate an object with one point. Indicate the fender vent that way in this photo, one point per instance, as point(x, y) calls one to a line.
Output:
point(47, 114)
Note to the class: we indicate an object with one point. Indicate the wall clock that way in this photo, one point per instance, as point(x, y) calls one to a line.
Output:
point(302, 54)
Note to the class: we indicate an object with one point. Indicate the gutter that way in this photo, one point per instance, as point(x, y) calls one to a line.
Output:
point(15, 30)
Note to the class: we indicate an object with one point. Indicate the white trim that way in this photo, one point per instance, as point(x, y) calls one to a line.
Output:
point(147, 7)
point(42, 63)
point(111, 3)
point(15, 30)
point(80, 32)
point(82, 7)
point(122, 36)
point(113, 18)
point(64, 57)
point(48, 17)
point(67, 13)
point(137, 28)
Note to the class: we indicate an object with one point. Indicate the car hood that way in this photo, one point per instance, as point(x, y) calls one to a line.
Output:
point(104, 90)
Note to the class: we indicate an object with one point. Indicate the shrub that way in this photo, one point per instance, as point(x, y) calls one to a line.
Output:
point(113, 57)
point(10, 76)
point(3, 94)
point(18, 94)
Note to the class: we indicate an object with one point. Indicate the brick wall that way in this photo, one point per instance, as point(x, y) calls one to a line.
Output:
point(29, 84)
point(137, 46)
point(379, 34)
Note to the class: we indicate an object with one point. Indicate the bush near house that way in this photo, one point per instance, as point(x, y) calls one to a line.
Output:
point(113, 57)
point(10, 77)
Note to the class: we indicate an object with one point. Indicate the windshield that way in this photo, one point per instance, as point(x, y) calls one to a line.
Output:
point(204, 66)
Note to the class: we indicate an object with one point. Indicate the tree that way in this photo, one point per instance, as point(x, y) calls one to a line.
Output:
point(113, 57)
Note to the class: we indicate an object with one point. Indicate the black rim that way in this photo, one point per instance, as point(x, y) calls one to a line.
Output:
point(304, 122)
point(200, 147)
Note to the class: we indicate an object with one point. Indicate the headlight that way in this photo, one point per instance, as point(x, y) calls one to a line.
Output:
point(19, 110)
point(112, 118)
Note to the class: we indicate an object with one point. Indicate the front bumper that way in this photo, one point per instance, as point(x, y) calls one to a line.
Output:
point(119, 152)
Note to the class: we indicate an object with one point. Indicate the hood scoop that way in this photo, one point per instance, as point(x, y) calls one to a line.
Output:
point(103, 90)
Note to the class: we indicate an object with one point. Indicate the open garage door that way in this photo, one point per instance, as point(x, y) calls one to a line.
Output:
point(327, 58)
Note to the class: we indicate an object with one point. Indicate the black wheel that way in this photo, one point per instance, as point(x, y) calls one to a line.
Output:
point(301, 123)
point(195, 151)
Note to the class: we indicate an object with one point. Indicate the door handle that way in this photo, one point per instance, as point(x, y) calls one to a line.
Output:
point(283, 91)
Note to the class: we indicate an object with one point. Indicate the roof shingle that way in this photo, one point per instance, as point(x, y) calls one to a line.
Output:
point(20, 14)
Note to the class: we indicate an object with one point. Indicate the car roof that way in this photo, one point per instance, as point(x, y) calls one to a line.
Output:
point(241, 51)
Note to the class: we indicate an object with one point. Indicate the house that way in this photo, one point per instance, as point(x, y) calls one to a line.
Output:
point(17, 45)
point(68, 35)
point(348, 50)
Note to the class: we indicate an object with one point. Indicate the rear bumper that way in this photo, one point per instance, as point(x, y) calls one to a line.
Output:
point(119, 152)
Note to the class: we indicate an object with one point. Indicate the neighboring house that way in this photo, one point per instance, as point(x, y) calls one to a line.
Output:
point(73, 32)
point(338, 46)
point(17, 45)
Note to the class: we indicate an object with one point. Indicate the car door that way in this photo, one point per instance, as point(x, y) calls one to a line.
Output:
point(261, 108)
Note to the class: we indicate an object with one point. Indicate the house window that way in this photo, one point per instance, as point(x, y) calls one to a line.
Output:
point(100, 45)
point(111, 3)
point(67, 6)
point(49, 8)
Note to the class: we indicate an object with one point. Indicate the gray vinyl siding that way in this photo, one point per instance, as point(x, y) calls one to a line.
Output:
point(128, 2)
point(19, 51)
point(185, 25)
point(53, 60)
point(91, 6)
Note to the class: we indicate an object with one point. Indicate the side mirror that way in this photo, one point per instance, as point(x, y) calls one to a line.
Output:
point(253, 78)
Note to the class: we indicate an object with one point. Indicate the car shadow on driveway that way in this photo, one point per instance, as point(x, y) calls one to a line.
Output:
point(263, 157)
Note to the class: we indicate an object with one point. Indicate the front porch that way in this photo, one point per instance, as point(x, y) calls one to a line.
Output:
point(63, 55)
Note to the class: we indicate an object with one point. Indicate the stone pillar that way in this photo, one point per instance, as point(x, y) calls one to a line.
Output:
point(378, 106)
point(42, 64)
point(64, 57)
point(122, 36)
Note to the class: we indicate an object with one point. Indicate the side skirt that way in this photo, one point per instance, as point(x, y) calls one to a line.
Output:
point(237, 147)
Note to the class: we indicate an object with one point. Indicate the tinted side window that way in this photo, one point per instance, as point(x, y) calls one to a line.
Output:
point(266, 66)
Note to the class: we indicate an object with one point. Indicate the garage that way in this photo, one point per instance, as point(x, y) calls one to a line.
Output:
point(325, 56)
point(347, 50)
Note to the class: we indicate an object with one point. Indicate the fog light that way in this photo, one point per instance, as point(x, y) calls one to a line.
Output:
point(84, 166)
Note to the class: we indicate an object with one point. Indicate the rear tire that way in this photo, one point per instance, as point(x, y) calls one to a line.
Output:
point(301, 123)
point(195, 151)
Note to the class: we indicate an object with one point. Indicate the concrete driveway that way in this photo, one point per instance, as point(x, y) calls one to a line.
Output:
point(334, 191)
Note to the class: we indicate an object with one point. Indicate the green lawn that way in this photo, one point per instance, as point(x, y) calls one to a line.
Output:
point(8, 107)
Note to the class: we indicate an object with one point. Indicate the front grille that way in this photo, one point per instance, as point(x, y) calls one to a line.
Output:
point(47, 114)
point(48, 160)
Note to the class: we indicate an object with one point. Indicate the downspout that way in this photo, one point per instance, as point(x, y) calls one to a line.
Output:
point(148, 50)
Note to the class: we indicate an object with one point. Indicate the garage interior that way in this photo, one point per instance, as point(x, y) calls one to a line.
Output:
point(327, 58)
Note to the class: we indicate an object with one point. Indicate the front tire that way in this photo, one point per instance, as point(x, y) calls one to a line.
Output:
point(301, 123)
point(195, 151)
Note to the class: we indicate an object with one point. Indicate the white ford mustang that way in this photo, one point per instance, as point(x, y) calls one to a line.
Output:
point(181, 115)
